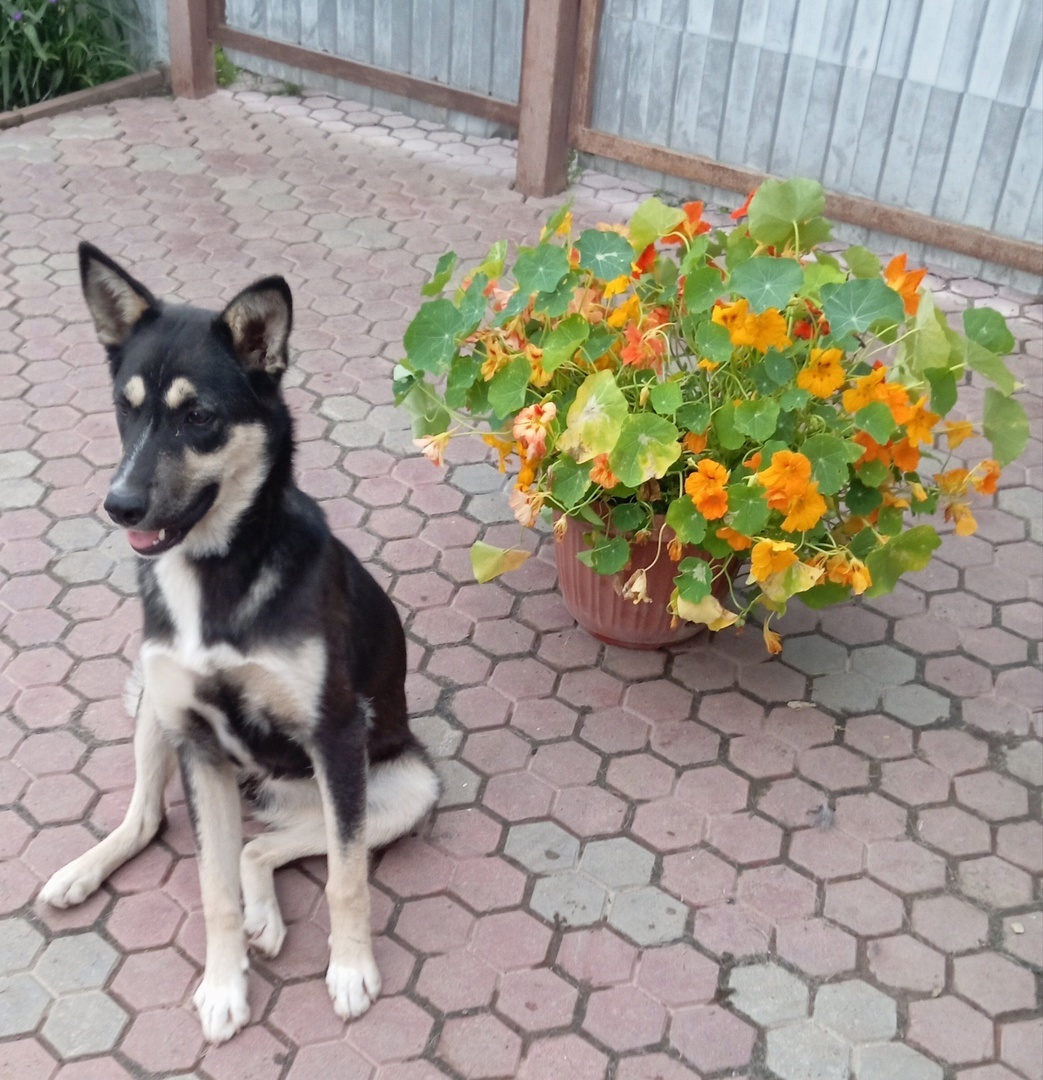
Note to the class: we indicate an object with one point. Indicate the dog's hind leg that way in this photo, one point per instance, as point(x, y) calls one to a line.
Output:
point(399, 792)
point(153, 765)
point(213, 799)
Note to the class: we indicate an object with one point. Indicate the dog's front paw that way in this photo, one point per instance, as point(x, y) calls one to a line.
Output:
point(222, 1007)
point(353, 987)
point(265, 930)
point(70, 886)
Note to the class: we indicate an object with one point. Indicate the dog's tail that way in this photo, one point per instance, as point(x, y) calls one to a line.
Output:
point(399, 792)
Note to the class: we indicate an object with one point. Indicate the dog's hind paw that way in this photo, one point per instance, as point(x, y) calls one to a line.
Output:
point(265, 929)
point(222, 1008)
point(69, 886)
point(354, 987)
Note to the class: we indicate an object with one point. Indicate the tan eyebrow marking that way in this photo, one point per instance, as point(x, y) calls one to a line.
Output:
point(134, 391)
point(179, 391)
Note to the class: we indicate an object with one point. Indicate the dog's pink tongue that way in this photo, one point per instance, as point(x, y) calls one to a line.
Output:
point(142, 541)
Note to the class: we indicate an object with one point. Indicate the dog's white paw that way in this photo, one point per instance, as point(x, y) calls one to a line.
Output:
point(353, 987)
point(222, 1007)
point(265, 929)
point(70, 886)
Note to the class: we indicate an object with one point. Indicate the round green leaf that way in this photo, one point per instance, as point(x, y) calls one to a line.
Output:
point(430, 339)
point(560, 344)
point(1006, 426)
point(987, 327)
point(508, 386)
point(686, 521)
point(606, 254)
point(856, 305)
point(767, 282)
point(540, 269)
point(595, 418)
point(652, 220)
point(647, 446)
point(910, 550)
point(830, 458)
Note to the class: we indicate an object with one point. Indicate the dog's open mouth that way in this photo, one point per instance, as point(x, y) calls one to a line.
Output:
point(156, 541)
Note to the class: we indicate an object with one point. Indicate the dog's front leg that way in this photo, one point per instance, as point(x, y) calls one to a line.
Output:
point(213, 798)
point(153, 764)
point(352, 977)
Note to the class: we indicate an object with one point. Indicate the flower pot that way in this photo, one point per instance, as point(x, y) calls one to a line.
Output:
point(594, 600)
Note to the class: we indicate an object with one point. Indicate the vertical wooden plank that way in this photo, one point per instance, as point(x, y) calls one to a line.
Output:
point(933, 149)
point(738, 105)
point(646, 109)
point(690, 63)
point(325, 25)
point(392, 34)
point(967, 139)
point(771, 75)
point(191, 54)
point(961, 43)
point(611, 72)
point(989, 177)
point(818, 119)
point(508, 32)
point(868, 150)
point(997, 33)
point(546, 96)
point(898, 172)
point(1015, 208)
point(1023, 59)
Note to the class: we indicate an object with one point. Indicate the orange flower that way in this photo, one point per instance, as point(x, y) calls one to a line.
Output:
point(906, 455)
point(644, 262)
point(496, 357)
point(627, 312)
point(526, 506)
point(822, 375)
point(874, 451)
point(953, 482)
point(861, 394)
point(694, 444)
point(770, 557)
point(772, 641)
point(788, 474)
point(905, 282)
point(986, 483)
point(753, 462)
point(918, 425)
point(735, 540)
point(805, 510)
point(740, 212)
point(693, 225)
point(502, 447)
point(960, 513)
point(845, 569)
point(643, 350)
point(601, 474)
point(706, 486)
point(763, 332)
point(957, 431)
point(530, 429)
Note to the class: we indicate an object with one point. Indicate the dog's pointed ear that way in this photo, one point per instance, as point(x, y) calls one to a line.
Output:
point(259, 319)
point(116, 301)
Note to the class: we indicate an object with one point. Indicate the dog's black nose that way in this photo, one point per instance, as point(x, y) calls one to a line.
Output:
point(125, 507)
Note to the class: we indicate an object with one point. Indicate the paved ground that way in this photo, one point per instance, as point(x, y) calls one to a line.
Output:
point(626, 878)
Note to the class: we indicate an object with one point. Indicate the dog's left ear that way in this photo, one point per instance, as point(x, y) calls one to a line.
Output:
point(116, 301)
point(259, 319)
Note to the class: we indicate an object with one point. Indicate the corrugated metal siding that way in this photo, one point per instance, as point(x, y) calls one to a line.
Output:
point(933, 105)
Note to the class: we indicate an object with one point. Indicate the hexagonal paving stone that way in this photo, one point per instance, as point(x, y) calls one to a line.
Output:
point(24, 1003)
point(536, 1000)
point(768, 994)
point(569, 899)
point(856, 1011)
point(87, 1023)
point(78, 962)
point(711, 1038)
point(806, 1051)
point(950, 1030)
point(624, 1018)
point(647, 916)
point(617, 863)
point(893, 1061)
point(19, 944)
point(542, 847)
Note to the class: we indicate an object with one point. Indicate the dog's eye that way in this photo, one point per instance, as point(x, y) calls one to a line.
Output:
point(198, 417)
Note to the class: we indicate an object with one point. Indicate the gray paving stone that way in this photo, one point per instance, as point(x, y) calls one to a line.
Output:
point(806, 1051)
point(78, 962)
point(459, 783)
point(22, 1004)
point(17, 464)
point(815, 655)
point(345, 407)
point(884, 664)
point(1025, 503)
point(846, 691)
point(19, 943)
point(356, 434)
point(1026, 762)
point(648, 916)
point(83, 1024)
point(768, 994)
point(440, 738)
point(856, 1011)
point(916, 705)
point(478, 479)
point(82, 566)
point(569, 899)
point(76, 534)
point(542, 847)
point(893, 1061)
point(17, 494)
point(617, 862)
point(490, 509)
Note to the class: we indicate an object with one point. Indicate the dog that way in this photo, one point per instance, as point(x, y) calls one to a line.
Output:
point(271, 664)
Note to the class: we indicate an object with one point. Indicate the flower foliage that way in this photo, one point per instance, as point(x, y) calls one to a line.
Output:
point(782, 409)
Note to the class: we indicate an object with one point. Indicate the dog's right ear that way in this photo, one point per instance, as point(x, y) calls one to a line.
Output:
point(115, 300)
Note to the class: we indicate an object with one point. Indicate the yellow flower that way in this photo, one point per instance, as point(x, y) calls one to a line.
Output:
point(627, 312)
point(805, 510)
point(706, 486)
point(822, 375)
point(566, 224)
point(770, 557)
point(918, 425)
point(763, 332)
point(502, 447)
point(709, 366)
point(861, 394)
point(956, 431)
point(772, 641)
point(616, 286)
point(960, 513)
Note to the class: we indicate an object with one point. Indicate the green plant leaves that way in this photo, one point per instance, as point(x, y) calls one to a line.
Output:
point(508, 386)
point(757, 418)
point(606, 254)
point(748, 511)
point(987, 327)
point(688, 524)
point(653, 219)
point(569, 481)
point(876, 420)
point(863, 263)
point(1006, 426)
point(766, 282)
point(857, 305)
point(443, 272)
point(666, 398)
point(702, 287)
point(489, 562)
point(647, 446)
point(787, 213)
point(595, 418)
point(430, 339)
point(694, 579)
point(908, 551)
point(830, 457)
point(561, 343)
point(607, 556)
point(540, 269)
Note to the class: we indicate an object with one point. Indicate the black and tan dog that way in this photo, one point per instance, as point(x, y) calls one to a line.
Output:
point(271, 662)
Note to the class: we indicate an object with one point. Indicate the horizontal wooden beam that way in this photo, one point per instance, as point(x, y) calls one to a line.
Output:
point(391, 82)
point(854, 209)
point(140, 84)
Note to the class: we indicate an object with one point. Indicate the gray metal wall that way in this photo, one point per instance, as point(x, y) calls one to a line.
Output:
point(933, 105)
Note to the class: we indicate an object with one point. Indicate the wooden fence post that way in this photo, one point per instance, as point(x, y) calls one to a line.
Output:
point(548, 62)
point(191, 51)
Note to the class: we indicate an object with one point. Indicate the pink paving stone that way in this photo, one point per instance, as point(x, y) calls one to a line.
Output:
point(50, 752)
point(905, 866)
point(479, 707)
point(480, 1046)
point(711, 1038)
point(565, 764)
point(536, 1000)
point(745, 838)
point(461, 665)
point(834, 768)
point(790, 802)
point(907, 964)
point(303, 1013)
point(437, 626)
point(466, 833)
point(677, 975)
point(732, 928)
point(422, 590)
point(589, 811)
point(393, 1029)
point(409, 1070)
point(26, 1059)
point(777, 892)
point(761, 756)
point(698, 877)
point(331, 1061)
point(496, 751)
point(615, 731)
point(950, 1030)
point(869, 817)
point(98, 679)
point(486, 884)
point(1021, 1045)
point(110, 768)
point(640, 776)
point(503, 637)
point(596, 957)
point(1021, 843)
point(563, 1056)
point(732, 713)
point(414, 868)
point(995, 882)
point(519, 679)
point(658, 701)
point(954, 752)
point(254, 1055)
point(685, 742)
point(954, 831)
point(14, 834)
point(951, 924)
point(993, 983)
point(624, 1018)
point(816, 947)
point(987, 1072)
point(652, 1067)
point(457, 980)
point(992, 796)
point(878, 737)
point(863, 906)
point(544, 719)
point(518, 796)
point(52, 848)
point(914, 782)
point(94, 1069)
point(164, 1040)
point(45, 706)
point(433, 925)
point(827, 853)
point(148, 980)
point(593, 689)
point(669, 824)
point(712, 790)
point(510, 940)
point(53, 799)
point(568, 649)
point(17, 886)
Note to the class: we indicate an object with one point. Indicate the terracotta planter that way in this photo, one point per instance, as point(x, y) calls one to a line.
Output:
point(594, 601)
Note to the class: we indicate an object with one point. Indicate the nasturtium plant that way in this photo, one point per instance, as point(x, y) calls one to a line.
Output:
point(794, 415)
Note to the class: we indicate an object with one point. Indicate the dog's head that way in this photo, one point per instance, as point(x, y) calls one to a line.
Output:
point(197, 402)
